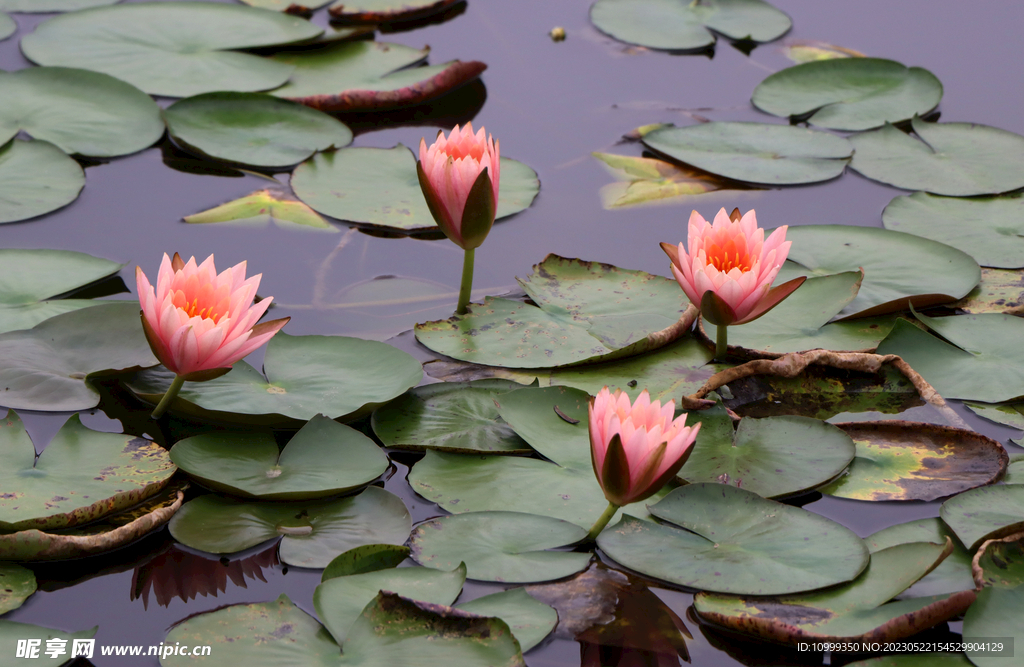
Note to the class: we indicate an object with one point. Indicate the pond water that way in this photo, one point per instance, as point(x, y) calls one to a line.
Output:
point(551, 104)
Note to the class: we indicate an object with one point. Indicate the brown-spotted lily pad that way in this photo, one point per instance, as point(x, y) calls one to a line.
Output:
point(1000, 563)
point(856, 611)
point(81, 476)
point(386, 11)
point(898, 460)
point(1000, 291)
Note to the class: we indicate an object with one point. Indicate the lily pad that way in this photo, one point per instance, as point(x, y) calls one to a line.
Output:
point(78, 111)
point(28, 278)
point(47, 367)
point(501, 546)
point(1000, 291)
point(47, 6)
point(385, 11)
point(274, 204)
point(646, 180)
point(175, 49)
point(340, 601)
point(312, 533)
point(11, 632)
point(684, 26)
point(989, 229)
point(900, 270)
point(7, 26)
point(731, 540)
point(265, 634)
point(951, 575)
point(324, 458)
point(379, 187)
point(772, 457)
point(849, 93)
point(282, 5)
point(368, 76)
point(367, 558)
point(528, 619)
point(588, 311)
point(449, 417)
point(980, 362)
point(253, 128)
point(958, 159)
point(899, 460)
point(855, 611)
point(755, 152)
point(17, 583)
point(996, 613)
point(916, 660)
point(340, 377)
point(986, 513)
point(36, 177)
point(802, 51)
point(1008, 414)
point(1002, 563)
point(1015, 471)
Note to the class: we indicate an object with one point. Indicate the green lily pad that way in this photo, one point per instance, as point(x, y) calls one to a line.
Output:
point(1015, 471)
point(47, 6)
point(274, 204)
point(28, 278)
point(368, 76)
point(7, 26)
point(340, 601)
point(81, 476)
point(281, 5)
point(989, 229)
point(803, 321)
point(996, 613)
point(733, 541)
point(36, 177)
point(900, 269)
point(528, 619)
point(915, 660)
point(11, 632)
point(501, 546)
point(385, 11)
point(772, 457)
point(1008, 414)
point(849, 93)
point(1002, 563)
point(951, 575)
point(174, 49)
point(803, 51)
point(17, 583)
point(47, 367)
point(588, 311)
point(855, 611)
point(449, 417)
point(986, 513)
point(340, 377)
point(958, 159)
point(981, 362)
point(683, 26)
point(312, 533)
point(253, 128)
point(379, 187)
point(265, 634)
point(755, 152)
point(367, 558)
point(324, 458)
point(78, 111)
point(912, 461)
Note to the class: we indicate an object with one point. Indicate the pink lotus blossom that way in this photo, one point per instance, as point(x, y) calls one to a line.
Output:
point(448, 173)
point(636, 448)
point(732, 260)
point(198, 321)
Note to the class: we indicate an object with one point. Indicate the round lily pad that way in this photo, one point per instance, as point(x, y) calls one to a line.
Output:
point(899, 460)
point(996, 613)
point(528, 619)
point(17, 583)
point(900, 269)
point(500, 546)
point(78, 111)
point(755, 152)
point(253, 128)
point(336, 376)
point(385, 11)
point(989, 229)
point(849, 93)
point(958, 159)
point(986, 513)
point(312, 534)
point(683, 26)
point(731, 540)
point(449, 417)
point(81, 476)
point(36, 177)
point(175, 49)
point(379, 187)
point(324, 458)
point(951, 575)
point(773, 457)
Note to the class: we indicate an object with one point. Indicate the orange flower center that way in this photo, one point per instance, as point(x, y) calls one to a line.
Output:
point(201, 310)
point(202, 301)
point(728, 256)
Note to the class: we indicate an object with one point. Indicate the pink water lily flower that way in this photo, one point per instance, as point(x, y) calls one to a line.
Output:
point(459, 176)
point(199, 322)
point(636, 447)
point(729, 268)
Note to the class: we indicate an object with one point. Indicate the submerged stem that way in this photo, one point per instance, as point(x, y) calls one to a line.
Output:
point(169, 395)
point(467, 281)
point(601, 522)
point(722, 344)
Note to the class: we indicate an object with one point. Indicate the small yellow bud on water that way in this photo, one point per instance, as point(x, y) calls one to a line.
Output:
point(557, 34)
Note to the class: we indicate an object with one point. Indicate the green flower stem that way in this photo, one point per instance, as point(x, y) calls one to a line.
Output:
point(602, 521)
point(722, 344)
point(467, 281)
point(165, 402)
